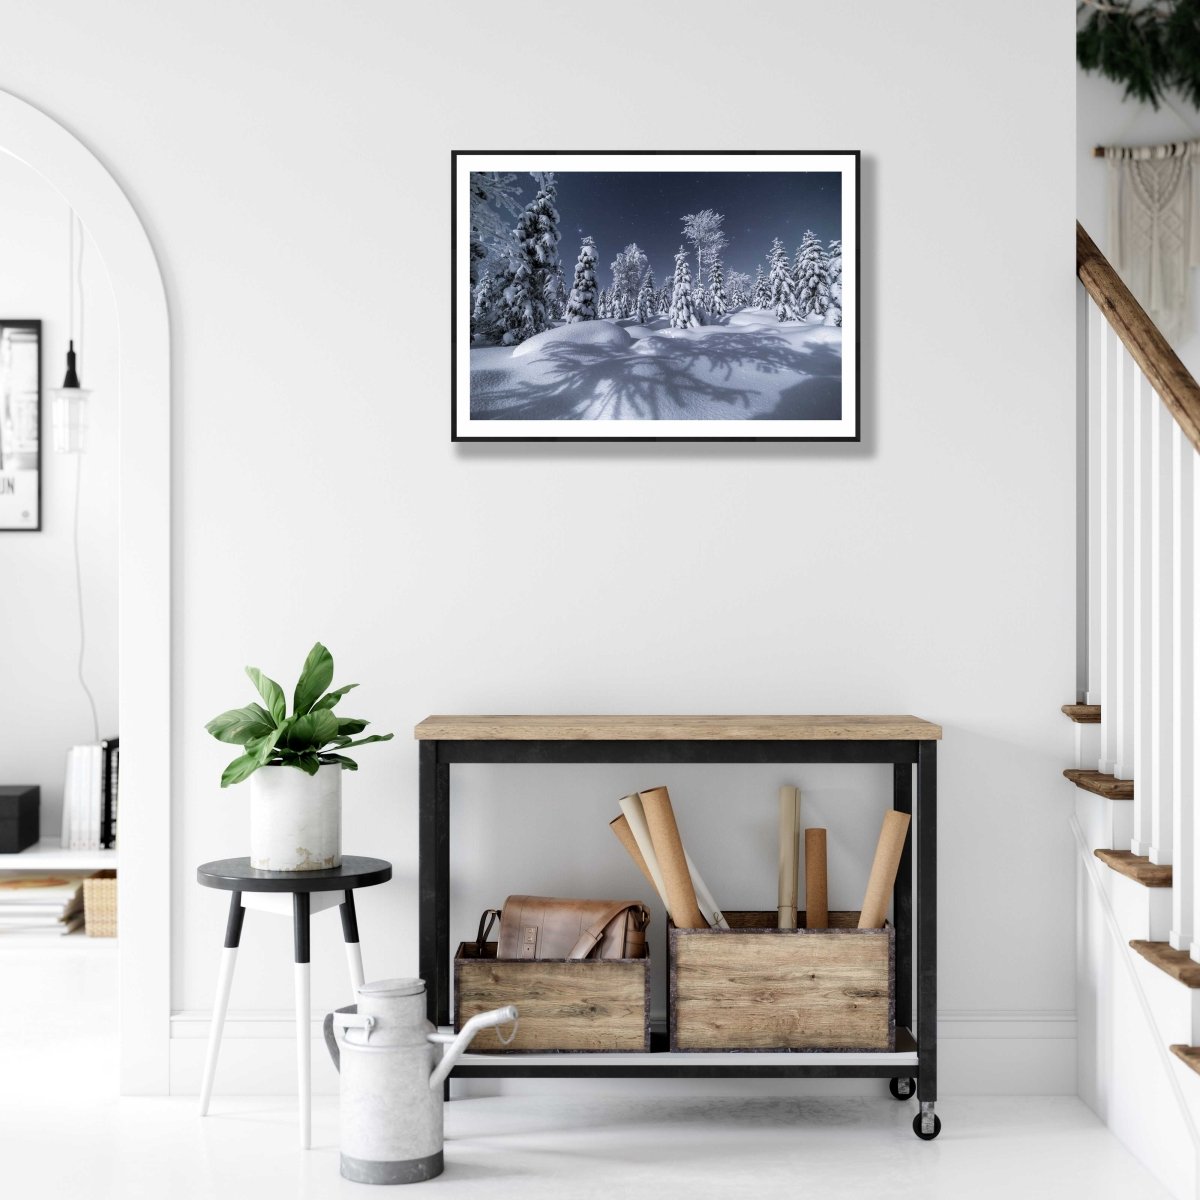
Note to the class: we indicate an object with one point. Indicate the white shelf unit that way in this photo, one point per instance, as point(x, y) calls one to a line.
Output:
point(48, 855)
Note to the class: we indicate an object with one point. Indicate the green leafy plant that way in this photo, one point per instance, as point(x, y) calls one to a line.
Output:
point(312, 737)
point(1149, 47)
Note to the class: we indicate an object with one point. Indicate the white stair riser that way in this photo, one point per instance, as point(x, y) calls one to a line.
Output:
point(1107, 824)
point(1143, 913)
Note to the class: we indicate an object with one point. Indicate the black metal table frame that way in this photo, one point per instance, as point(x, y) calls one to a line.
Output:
point(436, 758)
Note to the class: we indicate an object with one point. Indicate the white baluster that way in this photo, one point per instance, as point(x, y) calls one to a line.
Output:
point(1191, 672)
point(1182, 726)
point(1162, 637)
point(1109, 525)
point(1126, 409)
point(1095, 344)
point(1145, 405)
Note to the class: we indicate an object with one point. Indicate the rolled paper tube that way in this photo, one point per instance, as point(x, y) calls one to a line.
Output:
point(620, 826)
point(635, 819)
point(883, 870)
point(789, 853)
point(816, 880)
point(672, 862)
point(704, 898)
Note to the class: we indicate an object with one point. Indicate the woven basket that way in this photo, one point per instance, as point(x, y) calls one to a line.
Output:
point(100, 904)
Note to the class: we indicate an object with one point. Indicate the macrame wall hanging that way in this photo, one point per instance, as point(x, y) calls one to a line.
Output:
point(1154, 225)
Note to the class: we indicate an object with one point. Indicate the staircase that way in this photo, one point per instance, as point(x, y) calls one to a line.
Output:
point(1135, 721)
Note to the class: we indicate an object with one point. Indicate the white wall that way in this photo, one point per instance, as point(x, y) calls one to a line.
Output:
point(1104, 118)
point(43, 710)
point(290, 161)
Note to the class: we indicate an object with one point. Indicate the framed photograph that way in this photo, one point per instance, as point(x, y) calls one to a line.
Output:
point(20, 425)
point(655, 296)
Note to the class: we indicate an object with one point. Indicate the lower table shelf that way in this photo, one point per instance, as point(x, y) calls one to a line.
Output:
point(663, 1063)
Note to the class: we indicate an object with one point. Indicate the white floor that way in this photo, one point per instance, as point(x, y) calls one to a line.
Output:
point(64, 1136)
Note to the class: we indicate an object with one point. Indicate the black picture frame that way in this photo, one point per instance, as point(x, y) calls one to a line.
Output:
point(21, 430)
point(460, 335)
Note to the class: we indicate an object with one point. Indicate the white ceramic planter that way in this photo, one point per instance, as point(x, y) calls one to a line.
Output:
point(296, 819)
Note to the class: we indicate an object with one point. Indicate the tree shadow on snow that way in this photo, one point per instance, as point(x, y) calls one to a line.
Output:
point(590, 382)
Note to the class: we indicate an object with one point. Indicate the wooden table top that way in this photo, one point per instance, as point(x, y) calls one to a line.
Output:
point(855, 728)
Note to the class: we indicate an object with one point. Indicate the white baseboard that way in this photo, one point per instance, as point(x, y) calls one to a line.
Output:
point(1018, 1052)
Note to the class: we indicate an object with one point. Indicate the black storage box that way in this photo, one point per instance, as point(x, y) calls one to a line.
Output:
point(19, 816)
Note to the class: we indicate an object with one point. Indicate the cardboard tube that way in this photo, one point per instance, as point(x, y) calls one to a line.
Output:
point(789, 854)
point(635, 819)
point(704, 898)
point(816, 880)
point(620, 826)
point(883, 870)
point(668, 847)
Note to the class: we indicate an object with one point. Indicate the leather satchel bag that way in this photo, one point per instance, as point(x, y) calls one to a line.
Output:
point(543, 927)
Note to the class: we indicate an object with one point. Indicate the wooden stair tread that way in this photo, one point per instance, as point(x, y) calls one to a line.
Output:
point(1083, 714)
point(1176, 963)
point(1189, 1055)
point(1136, 867)
point(1108, 786)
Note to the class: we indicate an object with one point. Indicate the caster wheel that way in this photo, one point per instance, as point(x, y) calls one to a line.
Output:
point(927, 1137)
point(902, 1089)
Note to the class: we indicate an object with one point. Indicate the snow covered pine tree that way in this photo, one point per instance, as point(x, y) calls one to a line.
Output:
point(834, 315)
point(534, 258)
point(488, 296)
point(683, 312)
point(718, 302)
point(760, 297)
point(812, 277)
point(581, 305)
point(646, 299)
point(783, 288)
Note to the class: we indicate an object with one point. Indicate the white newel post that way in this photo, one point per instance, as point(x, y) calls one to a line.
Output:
point(1183, 728)
point(1095, 347)
point(1162, 637)
point(1109, 556)
point(1124, 697)
point(1144, 405)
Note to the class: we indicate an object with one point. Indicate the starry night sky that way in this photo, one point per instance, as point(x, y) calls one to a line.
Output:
point(647, 207)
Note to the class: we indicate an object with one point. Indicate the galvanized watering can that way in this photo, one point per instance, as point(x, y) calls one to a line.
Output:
point(392, 1066)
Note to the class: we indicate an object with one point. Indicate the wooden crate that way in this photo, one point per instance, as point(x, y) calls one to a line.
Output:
point(756, 987)
point(593, 1005)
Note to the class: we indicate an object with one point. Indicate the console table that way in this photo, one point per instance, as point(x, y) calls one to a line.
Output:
point(901, 742)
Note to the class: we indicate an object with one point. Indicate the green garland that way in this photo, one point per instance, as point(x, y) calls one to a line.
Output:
point(1150, 48)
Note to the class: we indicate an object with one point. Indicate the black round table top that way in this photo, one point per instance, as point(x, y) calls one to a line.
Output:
point(237, 875)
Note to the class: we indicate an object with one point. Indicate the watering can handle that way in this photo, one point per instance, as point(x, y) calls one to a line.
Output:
point(331, 1042)
point(343, 1017)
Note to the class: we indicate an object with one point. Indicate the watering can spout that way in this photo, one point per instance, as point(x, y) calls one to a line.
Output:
point(454, 1051)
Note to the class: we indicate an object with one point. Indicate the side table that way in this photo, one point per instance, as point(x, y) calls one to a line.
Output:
point(311, 891)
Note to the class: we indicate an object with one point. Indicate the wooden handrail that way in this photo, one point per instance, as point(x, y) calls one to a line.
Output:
point(1173, 382)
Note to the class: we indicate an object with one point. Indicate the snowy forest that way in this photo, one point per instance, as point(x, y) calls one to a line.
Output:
point(701, 341)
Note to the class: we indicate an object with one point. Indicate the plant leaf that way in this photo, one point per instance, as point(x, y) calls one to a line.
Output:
point(240, 726)
point(263, 748)
point(241, 768)
point(310, 764)
point(351, 725)
point(375, 737)
point(348, 764)
point(331, 698)
point(311, 731)
point(315, 676)
point(271, 692)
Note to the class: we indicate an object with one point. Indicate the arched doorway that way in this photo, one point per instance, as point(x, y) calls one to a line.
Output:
point(144, 577)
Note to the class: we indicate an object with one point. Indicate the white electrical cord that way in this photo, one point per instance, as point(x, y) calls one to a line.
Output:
point(75, 274)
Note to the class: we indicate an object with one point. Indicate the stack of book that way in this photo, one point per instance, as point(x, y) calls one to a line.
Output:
point(41, 902)
point(90, 793)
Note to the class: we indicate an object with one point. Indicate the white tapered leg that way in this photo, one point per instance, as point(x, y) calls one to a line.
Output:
point(303, 1052)
point(354, 960)
point(220, 1007)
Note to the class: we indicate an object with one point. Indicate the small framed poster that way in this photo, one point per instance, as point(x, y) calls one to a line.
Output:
point(655, 296)
point(20, 425)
